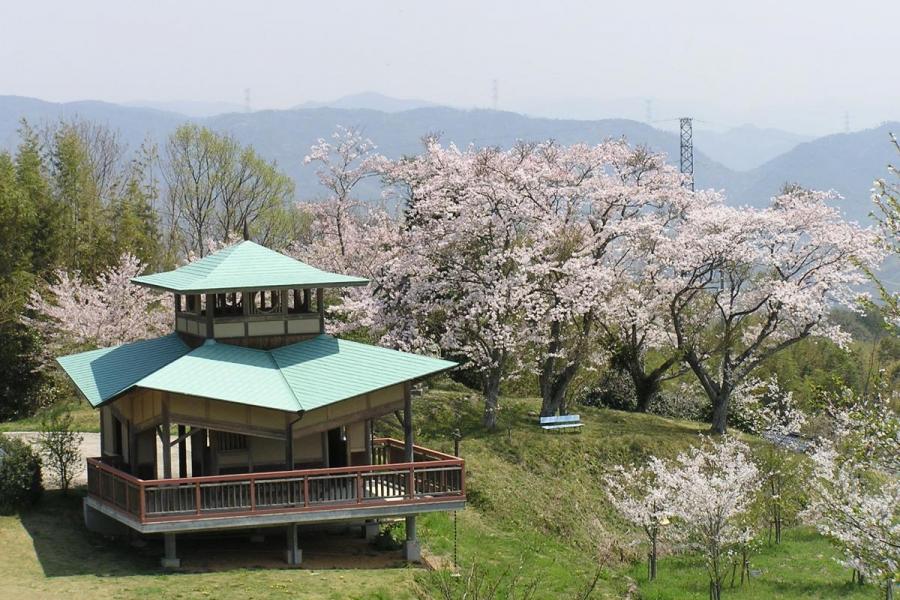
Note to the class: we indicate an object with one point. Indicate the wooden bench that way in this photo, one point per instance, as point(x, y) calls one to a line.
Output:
point(561, 422)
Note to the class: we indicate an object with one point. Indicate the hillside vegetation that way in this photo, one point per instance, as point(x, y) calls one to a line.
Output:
point(536, 515)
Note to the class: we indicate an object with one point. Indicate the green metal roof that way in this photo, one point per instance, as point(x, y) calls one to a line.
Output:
point(302, 376)
point(244, 266)
point(105, 373)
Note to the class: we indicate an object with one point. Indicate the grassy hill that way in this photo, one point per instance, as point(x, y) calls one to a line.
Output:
point(536, 514)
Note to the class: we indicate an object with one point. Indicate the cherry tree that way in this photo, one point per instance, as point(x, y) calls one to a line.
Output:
point(640, 498)
point(105, 312)
point(744, 284)
point(342, 164)
point(458, 280)
point(770, 411)
point(886, 195)
point(710, 488)
point(594, 206)
point(856, 488)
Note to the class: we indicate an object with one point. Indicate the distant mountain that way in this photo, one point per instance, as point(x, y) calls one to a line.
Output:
point(746, 147)
point(190, 108)
point(847, 163)
point(370, 101)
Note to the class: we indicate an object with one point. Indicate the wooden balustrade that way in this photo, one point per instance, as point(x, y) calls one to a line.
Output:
point(431, 476)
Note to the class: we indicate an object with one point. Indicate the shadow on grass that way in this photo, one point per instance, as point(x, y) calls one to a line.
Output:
point(65, 547)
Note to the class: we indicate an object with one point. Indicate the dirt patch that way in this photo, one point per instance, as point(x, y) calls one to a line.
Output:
point(90, 446)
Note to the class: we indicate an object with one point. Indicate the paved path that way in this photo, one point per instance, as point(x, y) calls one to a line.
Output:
point(90, 446)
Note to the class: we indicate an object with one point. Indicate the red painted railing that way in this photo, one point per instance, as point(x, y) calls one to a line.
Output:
point(432, 476)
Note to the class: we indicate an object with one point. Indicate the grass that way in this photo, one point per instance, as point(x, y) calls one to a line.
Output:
point(535, 510)
point(800, 568)
point(84, 418)
point(48, 553)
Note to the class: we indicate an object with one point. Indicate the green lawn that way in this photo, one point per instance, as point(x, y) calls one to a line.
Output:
point(84, 418)
point(535, 512)
point(800, 568)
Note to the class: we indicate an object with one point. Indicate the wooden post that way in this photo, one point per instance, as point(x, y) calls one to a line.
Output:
point(182, 452)
point(307, 299)
point(132, 449)
point(289, 445)
point(407, 421)
point(198, 448)
point(320, 305)
point(210, 314)
point(368, 434)
point(164, 438)
point(326, 459)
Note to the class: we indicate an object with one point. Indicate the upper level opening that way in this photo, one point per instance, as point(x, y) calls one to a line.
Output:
point(247, 292)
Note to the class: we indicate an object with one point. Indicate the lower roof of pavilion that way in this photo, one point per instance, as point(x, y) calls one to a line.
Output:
point(298, 377)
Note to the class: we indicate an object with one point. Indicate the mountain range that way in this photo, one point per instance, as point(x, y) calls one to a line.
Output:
point(748, 163)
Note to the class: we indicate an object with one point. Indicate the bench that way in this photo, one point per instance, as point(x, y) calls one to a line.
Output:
point(561, 422)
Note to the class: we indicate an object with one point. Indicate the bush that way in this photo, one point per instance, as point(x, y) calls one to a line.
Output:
point(20, 475)
point(614, 389)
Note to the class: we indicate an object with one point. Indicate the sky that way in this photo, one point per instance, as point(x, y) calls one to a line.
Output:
point(809, 66)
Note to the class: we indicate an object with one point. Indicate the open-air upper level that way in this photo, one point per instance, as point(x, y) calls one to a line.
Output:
point(248, 295)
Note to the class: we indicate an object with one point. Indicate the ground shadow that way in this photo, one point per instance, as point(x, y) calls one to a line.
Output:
point(64, 547)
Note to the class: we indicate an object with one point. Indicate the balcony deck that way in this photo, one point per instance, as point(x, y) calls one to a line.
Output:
point(432, 482)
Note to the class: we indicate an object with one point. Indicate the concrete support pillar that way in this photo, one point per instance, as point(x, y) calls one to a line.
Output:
point(370, 530)
point(293, 555)
point(169, 560)
point(411, 549)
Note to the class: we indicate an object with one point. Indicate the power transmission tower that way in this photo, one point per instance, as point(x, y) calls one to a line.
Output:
point(247, 100)
point(687, 150)
point(846, 122)
point(495, 94)
point(649, 106)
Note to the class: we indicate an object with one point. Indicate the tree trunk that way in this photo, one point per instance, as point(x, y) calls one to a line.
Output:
point(491, 400)
point(720, 411)
point(646, 390)
point(653, 557)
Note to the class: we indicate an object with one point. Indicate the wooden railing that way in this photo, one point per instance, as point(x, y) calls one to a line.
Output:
point(432, 476)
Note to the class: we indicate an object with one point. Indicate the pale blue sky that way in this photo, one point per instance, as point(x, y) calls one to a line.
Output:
point(793, 64)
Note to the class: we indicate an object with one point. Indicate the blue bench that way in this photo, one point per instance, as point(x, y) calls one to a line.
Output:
point(561, 422)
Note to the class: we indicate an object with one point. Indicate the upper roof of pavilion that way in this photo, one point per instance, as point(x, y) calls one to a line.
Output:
point(245, 266)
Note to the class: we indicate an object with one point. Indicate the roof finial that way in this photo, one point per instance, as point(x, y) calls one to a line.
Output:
point(246, 230)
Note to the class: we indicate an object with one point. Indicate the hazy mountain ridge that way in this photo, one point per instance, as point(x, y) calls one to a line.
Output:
point(847, 163)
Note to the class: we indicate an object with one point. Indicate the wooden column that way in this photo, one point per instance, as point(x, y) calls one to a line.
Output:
point(182, 452)
point(307, 299)
point(368, 434)
point(210, 314)
point(198, 448)
point(289, 445)
point(325, 458)
point(320, 305)
point(164, 438)
point(132, 449)
point(407, 422)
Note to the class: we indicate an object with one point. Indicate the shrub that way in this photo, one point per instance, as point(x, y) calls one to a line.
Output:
point(61, 446)
point(20, 475)
point(614, 389)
